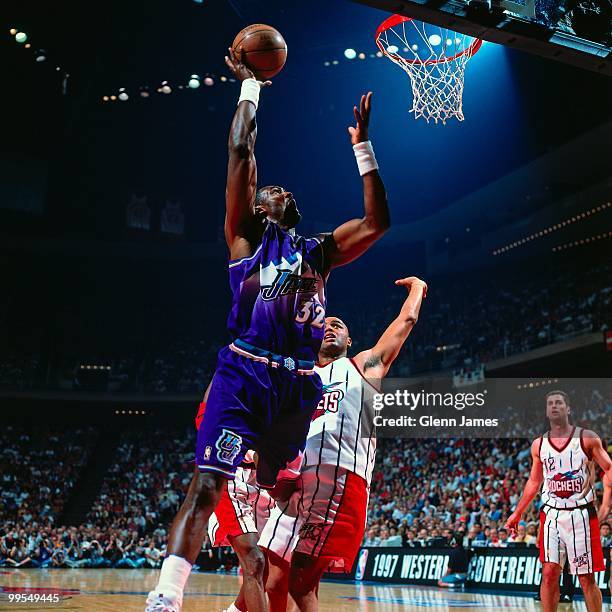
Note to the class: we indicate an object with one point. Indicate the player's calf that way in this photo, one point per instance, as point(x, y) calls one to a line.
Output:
point(304, 578)
point(592, 595)
point(549, 588)
point(185, 541)
point(253, 564)
point(189, 526)
point(277, 582)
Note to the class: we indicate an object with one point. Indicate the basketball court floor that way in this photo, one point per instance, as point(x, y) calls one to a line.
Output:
point(125, 591)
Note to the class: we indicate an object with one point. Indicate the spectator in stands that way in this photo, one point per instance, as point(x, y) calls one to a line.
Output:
point(521, 533)
point(606, 535)
point(531, 537)
point(18, 555)
point(394, 538)
point(153, 555)
point(371, 538)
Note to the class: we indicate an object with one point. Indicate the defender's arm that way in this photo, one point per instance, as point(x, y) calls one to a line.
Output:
point(536, 477)
point(594, 448)
point(353, 238)
point(377, 360)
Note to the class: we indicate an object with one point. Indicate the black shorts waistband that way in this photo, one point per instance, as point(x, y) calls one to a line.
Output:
point(299, 366)
point(588, 506)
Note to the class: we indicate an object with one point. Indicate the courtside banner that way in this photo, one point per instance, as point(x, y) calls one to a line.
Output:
point(478, 407)
point(505, 569)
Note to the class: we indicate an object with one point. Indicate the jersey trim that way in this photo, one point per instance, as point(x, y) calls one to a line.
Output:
point(569, 439)
point(235, 262)
point(362, 374)
point(589, 454)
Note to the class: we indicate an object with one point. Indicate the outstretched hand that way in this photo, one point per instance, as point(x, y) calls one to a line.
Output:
point(359, 133)
point(240, 70)
point(512, 523)
point(411, 281)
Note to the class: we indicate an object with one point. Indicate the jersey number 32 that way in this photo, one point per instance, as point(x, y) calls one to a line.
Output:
point(311, 312)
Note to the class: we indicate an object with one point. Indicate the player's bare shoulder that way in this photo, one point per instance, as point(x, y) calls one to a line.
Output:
point(536, 446)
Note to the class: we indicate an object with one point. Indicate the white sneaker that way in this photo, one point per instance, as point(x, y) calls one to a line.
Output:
point(156, 602)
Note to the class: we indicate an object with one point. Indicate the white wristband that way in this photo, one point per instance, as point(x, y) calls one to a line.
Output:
point(364, 154)
point(250, 91)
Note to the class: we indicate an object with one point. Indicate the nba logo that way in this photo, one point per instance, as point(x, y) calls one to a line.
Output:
point(361, 564)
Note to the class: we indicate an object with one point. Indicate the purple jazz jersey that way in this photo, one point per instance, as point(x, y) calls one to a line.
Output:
point(278, 299)
point(279, 306)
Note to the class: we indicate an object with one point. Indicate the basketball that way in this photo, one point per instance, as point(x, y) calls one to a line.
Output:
point(262, 49)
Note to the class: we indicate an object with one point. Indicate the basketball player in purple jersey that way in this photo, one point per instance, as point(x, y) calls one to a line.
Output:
point(265, 390)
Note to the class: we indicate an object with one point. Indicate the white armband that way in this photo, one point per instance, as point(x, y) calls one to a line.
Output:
point(250, 91)
point(364, 153)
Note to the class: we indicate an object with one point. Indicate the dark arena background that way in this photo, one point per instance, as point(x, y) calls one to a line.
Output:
point(115, 291)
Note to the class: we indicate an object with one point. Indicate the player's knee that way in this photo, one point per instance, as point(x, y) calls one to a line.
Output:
point(207, 490)
point(254, 563)
point(277, 583)
point(300, 591)
point(586, 580)
point(550, 576)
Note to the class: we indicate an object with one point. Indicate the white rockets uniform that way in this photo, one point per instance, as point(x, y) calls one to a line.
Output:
point(568, 521)
point(326, 516)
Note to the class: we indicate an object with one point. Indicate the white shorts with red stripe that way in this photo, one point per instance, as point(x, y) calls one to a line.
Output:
point(243, 508)
point(325, 518)
point(572, 535)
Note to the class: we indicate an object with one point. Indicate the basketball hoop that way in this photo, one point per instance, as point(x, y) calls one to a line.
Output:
point(434, 58)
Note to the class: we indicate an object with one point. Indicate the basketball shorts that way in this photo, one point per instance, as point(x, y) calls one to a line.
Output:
point(572, 535)
point(325, 518)
point(242, 508)
point(252, 405)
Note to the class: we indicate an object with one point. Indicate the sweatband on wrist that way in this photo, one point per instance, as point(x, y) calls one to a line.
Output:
point(250, 91)
point(364, 154)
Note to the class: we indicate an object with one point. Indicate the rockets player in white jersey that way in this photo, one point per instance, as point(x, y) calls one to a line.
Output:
point(563, 465)
point(323, 522)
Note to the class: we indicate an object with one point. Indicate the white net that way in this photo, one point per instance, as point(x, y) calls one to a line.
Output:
point(435, 59)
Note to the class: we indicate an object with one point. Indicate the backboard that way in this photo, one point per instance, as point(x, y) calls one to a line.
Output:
point(577, 32)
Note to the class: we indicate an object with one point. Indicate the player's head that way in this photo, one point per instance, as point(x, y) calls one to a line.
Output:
point(278, 205)
point(558, 406)
point(336, 339)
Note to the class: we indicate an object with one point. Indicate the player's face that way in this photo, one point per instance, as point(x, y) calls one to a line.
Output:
point(556, 408)
point(336, 337)
point(280, 206)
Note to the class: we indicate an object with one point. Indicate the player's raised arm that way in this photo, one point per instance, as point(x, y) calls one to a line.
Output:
point(536, 477)
point(375, 362)
point(242, 169)
point(353, 238)
point(594, 448)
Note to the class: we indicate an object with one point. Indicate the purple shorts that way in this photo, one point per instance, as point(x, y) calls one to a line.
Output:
point(252, 405)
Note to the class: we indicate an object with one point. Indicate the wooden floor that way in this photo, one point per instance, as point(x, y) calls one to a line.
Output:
point(125, 591)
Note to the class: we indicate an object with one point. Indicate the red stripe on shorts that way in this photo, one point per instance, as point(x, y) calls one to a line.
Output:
point(345, 536)
point(541, 537)
point(229, 525)
point(596, 550)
